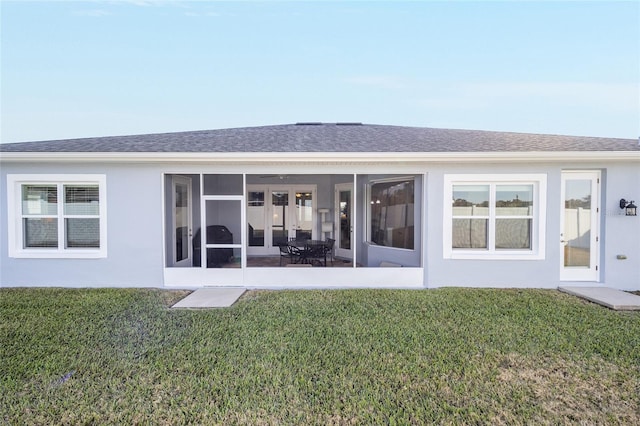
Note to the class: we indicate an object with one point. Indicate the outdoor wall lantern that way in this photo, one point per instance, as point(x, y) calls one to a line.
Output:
point(630, 208)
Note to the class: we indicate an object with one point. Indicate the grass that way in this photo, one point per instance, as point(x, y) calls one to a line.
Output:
point(447, 356)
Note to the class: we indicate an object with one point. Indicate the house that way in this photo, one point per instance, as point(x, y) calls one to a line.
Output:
point(407, 207)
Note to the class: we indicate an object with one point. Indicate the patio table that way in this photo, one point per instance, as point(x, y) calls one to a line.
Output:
point(311, 250)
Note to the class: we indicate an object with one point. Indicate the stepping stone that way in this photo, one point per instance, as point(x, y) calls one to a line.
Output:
point(219, 297)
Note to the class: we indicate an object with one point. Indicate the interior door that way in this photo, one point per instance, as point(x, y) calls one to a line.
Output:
point(182, 221)
point(344, 220)
point(579, 226)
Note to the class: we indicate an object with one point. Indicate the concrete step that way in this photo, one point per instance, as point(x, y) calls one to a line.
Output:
point(611, 298)
point(218, 297)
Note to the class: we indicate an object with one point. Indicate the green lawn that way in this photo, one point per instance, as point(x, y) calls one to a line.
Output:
point(317, 357)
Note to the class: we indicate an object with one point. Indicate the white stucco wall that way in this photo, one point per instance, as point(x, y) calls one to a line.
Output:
point(619, 234)
point(135, 226)
point(134, 232)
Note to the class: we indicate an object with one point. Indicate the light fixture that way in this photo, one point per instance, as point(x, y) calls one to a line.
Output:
point(630, 208)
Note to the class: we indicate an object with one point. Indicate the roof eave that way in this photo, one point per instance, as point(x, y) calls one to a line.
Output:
point(320, 157)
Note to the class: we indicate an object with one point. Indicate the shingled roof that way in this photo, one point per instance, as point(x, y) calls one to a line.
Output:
point(330, 138)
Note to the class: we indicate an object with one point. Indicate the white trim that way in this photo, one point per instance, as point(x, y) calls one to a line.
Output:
point(163, 214)
point(211, 158)
point(322, 278)
point(14, 216)
point(369, 185)
point(591, 273)
point(355, 221)
point(204, 245)
point(263, 249)
point(339, 251)
point(200, 277)
point(308, 278)
point(537, 252)
point(175, 181)
point(269, 248)
point(245, 231)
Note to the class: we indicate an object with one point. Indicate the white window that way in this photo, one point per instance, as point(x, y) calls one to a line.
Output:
point(494, 216)
point(391, 213)
point(52, 216)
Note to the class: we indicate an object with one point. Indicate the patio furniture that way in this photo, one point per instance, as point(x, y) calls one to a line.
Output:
point(285, 253)
point(315, 253)
point(291, 252)
point(329, 248)
point(310, 251)
point(296, 254)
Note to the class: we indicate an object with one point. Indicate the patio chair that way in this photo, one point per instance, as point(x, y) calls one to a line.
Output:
point(295, 254)
point(284, 252)
point(329, 249)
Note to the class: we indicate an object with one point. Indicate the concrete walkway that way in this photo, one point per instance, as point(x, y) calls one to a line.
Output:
point(611, 298)
point(218, 297)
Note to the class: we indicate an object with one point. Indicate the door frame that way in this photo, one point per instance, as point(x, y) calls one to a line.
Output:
point(175, 181)
point(269, 189)
point(339, 251)
point(591, 273)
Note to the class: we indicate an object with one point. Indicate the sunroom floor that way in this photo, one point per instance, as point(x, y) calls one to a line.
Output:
point(274, 262)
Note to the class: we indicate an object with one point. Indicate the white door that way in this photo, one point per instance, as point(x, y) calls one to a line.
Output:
point(303, 213)
point(281, 218)
point(182, 222)
point(579, 226)
point(344, 220)
point(276, 214)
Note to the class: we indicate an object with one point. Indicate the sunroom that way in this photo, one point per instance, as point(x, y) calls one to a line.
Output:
point(233, 228)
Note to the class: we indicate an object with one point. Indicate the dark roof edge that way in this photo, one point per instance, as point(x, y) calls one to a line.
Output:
point(310, 123)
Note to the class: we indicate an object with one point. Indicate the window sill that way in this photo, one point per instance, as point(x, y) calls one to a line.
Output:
point(57, 254)
point(469, 255)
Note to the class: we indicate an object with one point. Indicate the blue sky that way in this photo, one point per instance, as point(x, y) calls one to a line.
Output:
point(97, 68)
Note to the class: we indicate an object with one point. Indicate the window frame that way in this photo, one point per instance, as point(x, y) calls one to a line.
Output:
point(538, 227)
point(369, 190)
point(15, 183)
